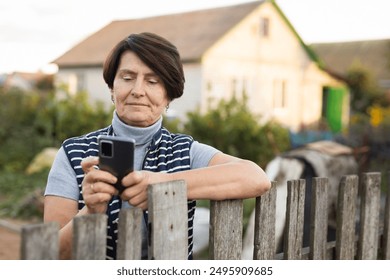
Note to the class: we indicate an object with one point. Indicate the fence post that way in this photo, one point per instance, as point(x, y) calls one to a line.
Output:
point(168, 221)
point(369, 216)
point(319, 219)
point(386, 227)
point(130, 234)
point(89, 237)
point(265, 217)
point(40, 242)
point(226, 229)
point(346, 217)
point(293, 237)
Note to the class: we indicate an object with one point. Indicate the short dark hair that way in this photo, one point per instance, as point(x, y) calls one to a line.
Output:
point(157, 53)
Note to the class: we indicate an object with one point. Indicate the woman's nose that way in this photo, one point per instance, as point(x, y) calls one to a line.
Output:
point(138, 88)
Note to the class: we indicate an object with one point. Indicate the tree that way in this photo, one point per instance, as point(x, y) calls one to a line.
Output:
point(364, 90)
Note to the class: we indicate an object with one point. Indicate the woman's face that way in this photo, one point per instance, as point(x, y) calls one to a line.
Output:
point(139, 94)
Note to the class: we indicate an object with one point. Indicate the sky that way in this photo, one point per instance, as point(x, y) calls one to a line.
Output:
point(35, 32)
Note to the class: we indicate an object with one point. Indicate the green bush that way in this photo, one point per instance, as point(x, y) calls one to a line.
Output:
point(19, 138)
point(30, 122)
point(232, 128)
point(74, 115)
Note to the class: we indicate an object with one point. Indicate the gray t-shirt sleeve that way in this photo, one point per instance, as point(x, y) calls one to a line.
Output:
point(201, 154)
point(62, 178)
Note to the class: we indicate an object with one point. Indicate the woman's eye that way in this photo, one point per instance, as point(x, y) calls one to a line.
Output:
point(153, 82)
point(127, 78)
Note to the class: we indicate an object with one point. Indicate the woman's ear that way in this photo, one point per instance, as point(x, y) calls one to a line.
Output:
point(112, 95)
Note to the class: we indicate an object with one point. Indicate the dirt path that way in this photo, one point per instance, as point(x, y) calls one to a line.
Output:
point(10, 239)
point(9, 244)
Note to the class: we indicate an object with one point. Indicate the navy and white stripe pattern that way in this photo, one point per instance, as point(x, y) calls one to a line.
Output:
point(167, 153)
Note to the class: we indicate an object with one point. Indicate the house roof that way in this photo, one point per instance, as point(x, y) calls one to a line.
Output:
point(373, 55)
point(192, 33)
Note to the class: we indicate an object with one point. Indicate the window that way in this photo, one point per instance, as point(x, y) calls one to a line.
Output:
point(81, 82)
point(234, 87)
point(209, 87)
point(264, 27)
point(279, 94)
point(76, 83)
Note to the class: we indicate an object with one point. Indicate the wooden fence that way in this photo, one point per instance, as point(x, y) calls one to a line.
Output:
point(168, 226)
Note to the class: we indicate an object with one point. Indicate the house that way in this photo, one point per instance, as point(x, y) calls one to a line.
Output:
point(26, 81)
point(371, 55)
point(248, 48)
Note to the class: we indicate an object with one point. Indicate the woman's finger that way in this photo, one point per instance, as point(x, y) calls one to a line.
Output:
point(89, 163)
point(96, 175)
point(100, 187)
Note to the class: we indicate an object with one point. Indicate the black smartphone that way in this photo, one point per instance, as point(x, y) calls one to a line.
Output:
point(116, 155)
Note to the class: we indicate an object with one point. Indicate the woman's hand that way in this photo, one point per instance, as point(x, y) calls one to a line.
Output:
point(136, 186)
point(97, 186)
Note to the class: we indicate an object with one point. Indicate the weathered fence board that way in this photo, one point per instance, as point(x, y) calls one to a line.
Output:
point(226, 229)
point(369, 216)
point(293, 238)
point(89, 237)
point(346, 218)
point(130, 228)
point(319, 219)
point(265, 215)
point(40, 242)
point(386, 225)
point(168, 221)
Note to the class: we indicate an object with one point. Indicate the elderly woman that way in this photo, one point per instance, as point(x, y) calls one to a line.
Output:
point(144, 74)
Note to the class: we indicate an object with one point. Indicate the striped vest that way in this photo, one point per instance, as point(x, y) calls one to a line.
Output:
point(167, 153)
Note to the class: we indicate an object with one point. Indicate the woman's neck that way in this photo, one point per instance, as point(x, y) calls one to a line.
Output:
point(141, 135)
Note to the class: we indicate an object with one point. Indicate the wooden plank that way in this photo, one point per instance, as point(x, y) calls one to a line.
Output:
point(369, 216)
point(168, 221)
point(89, 237)
point(226, 222)
point(293, 237)
point(319, 219)
point(386, 226)
point(265, 218)
point(40, 242)
point(130, 234)
point(346, 217)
